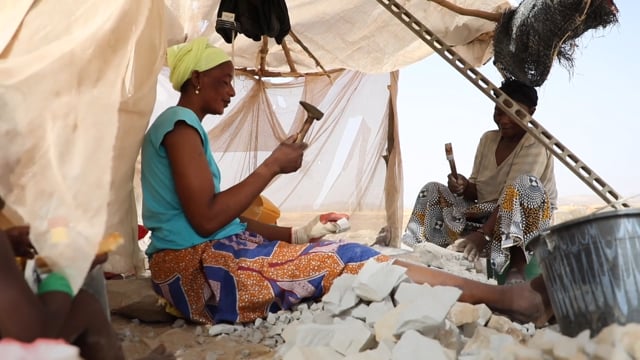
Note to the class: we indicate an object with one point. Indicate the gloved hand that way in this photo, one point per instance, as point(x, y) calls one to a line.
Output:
point(319, 226)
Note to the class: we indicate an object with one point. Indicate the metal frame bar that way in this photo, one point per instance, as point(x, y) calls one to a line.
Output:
point(510, 107)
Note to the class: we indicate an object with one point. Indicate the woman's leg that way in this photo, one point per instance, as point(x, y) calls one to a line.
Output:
point(438, 217)
point(523, 302)
point(524, 210)
point(21, 315)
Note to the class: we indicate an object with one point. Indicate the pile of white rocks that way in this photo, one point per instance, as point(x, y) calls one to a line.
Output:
point(380, 314)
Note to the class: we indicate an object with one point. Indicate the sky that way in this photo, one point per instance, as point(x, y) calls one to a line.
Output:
point(592, 111)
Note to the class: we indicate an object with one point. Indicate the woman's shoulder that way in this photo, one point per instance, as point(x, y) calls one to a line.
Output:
point(529, 141)
point(176, 113)
point(490, 136)
point(167, 119)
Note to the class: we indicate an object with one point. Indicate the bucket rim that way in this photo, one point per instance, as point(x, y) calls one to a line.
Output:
point(596, 215)
point(583, 219)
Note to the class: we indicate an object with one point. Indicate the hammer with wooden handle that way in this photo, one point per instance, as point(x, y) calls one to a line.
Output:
point(313, 114)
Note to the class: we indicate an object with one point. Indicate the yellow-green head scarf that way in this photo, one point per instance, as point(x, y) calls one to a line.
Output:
point(196, 54)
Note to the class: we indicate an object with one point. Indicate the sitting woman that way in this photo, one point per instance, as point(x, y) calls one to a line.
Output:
point(214, 266)
point(509, 197)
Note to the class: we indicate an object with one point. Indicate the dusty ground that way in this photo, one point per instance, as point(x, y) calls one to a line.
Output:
point(189, 341)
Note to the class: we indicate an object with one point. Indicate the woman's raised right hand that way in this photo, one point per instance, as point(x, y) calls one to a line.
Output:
point(457, 185)
point(287, 157)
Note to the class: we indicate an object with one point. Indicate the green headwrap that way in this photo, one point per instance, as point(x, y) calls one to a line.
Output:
point(196, 54)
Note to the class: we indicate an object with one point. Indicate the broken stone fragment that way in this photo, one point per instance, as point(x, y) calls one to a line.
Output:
point(427, 316)
point(312, 353)
point(480, 341)
point(385, 327)
point(377, 309)
point(519, 351)
point(376, 280)
point(545, 340)
point(219, 329)
point(449, 337)
point(351, 338)
point(484, 314)
point(341, 295)
point(412, 345)
point(463, 313)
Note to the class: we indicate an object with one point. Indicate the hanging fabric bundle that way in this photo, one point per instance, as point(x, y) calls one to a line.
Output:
point(253, 18)
point(529, 37)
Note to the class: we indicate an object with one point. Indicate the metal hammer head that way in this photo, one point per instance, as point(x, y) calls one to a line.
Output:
point(312, 111)
point(313, 114)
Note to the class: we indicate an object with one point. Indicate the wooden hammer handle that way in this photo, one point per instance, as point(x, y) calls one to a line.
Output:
point(303, 131)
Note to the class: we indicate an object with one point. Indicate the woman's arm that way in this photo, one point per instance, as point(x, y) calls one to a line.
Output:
point(271, 232)
point(207, 211)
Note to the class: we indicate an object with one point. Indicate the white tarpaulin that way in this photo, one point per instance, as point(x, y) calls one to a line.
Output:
point(78, 84)
point(355, 34)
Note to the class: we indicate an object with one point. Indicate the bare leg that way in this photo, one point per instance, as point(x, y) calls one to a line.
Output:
point(87, 327)
point(523, 302)
point(518, 262)
point(21, 315)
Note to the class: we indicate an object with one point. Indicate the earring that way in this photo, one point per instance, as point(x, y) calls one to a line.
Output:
point(198, 90)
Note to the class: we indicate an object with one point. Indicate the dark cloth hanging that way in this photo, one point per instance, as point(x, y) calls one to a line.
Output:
point(530, 37)
point(253, 18)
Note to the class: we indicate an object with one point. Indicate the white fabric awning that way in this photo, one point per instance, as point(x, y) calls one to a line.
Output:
point(352, 34)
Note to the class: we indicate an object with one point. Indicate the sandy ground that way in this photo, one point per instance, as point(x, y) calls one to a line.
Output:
point(189, 341)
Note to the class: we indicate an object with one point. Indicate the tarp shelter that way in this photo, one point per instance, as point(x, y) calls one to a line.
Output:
point(79, 80)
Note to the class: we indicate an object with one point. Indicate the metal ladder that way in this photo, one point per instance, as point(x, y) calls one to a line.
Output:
point(510, 107)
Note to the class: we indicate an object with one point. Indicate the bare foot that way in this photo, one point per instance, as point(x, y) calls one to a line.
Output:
point(530, 303)
point(159, 353)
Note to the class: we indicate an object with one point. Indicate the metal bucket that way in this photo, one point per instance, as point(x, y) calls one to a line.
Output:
point(591, 267)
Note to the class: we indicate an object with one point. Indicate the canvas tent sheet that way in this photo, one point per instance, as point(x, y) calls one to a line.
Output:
point(358, 34)
point(78, 88)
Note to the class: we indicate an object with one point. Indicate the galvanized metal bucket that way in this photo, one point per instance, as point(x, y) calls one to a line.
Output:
point(591, 267)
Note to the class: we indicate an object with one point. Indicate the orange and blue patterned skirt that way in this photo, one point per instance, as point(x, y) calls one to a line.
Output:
point(243, 277)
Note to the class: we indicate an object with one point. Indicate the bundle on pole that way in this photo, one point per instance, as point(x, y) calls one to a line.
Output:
point(530, 37)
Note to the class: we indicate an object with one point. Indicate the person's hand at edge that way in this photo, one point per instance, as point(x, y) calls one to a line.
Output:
point(20, 241)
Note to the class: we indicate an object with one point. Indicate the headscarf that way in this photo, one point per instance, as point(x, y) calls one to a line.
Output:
point(196, 54)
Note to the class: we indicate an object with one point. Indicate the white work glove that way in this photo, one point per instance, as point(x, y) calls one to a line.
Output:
point(319, 226)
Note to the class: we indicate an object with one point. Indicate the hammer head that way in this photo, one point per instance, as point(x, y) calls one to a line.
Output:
point(312, 111)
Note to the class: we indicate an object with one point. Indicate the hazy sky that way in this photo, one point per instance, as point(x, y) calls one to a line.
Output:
point(592, 111)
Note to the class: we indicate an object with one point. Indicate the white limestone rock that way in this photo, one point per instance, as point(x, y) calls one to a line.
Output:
point(341, 295)
point(463, 313)
point(352, 337)
point(219, 329)
point(449, 337)
point(385, 327)
point(311, 353)
point(426, 315)
point(409, 292)
point(480, 341)
point(412, 344)
point(376, 280)
point(360, 311)
point(376, 310)
point(484, 314)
